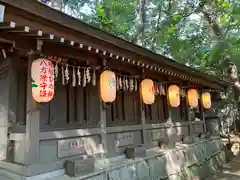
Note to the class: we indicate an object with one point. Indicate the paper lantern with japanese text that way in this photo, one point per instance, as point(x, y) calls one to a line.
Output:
point(206, 100)
point(174, 95)
point(148, 91)
point(108, 86)
point(42, 72)
point(192, 96)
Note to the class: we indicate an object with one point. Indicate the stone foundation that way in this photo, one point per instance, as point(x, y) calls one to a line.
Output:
point(185, 162)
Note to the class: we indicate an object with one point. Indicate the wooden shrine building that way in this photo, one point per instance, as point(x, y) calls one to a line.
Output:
point(38, 138)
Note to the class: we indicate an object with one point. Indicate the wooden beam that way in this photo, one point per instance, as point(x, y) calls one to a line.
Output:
point(69, 42)
point(6, 41)
point(47, 36)
point(59, 39)
point(7, 25)
point(71, 53)
point(19, 43)
point(33, 33)
point(19, 29)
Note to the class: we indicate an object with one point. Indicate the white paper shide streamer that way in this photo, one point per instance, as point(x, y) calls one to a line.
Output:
point(84, 78)
point(79, 76)
point(63, 77)
point(67, 74)
point(74, 78)
point(56, 70)
point(94, 78)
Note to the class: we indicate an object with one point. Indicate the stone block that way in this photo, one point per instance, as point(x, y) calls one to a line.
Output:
point(142, 170)
point(178, 176)
point(129, 172)
point(157, 168)
point(205, 169)
point(221, 158)
point(174, 162)
point(123, 173)
point(199, 150)
point(115, 174)
point(98, 177)
point(214, 166)
point(79, 166)
point(190, 156)
point(187, 140)
point(133, 152)
point(191, 173)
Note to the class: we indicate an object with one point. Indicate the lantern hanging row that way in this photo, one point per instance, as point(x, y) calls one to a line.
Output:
point(109, 85)
point(193, 98)
point(43, 74)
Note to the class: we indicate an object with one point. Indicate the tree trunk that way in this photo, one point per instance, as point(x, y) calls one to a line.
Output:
point(141, 21)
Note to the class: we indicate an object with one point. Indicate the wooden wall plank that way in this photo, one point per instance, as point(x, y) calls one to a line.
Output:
point(79, 105)
point(156, 113)
point(71, 107)
point(58, 106)
point(125, 110)
point(93, 104)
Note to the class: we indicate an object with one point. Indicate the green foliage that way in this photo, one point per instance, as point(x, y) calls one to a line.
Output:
point(198, 33)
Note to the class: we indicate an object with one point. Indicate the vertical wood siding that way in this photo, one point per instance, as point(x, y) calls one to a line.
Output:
point(180, 113)
point(125, 110)
point(157, 112)
point(71, 107)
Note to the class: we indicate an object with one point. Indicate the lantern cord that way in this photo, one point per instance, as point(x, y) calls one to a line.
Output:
point(137, 76)
point(107, 106)
point(31, 110)
point(60, 61)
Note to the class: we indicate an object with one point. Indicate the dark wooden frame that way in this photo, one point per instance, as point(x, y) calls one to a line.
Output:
point(157, 112)
point(125, 110)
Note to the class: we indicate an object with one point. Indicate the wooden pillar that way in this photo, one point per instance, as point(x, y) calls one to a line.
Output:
point(202, 116)
point(143, 122)
point(187, 116)
point(236, 108)
point(5, 94)
point(103, 124)
point(32, 121)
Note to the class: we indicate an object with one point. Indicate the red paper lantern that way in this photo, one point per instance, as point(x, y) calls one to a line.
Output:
point(42, 72)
